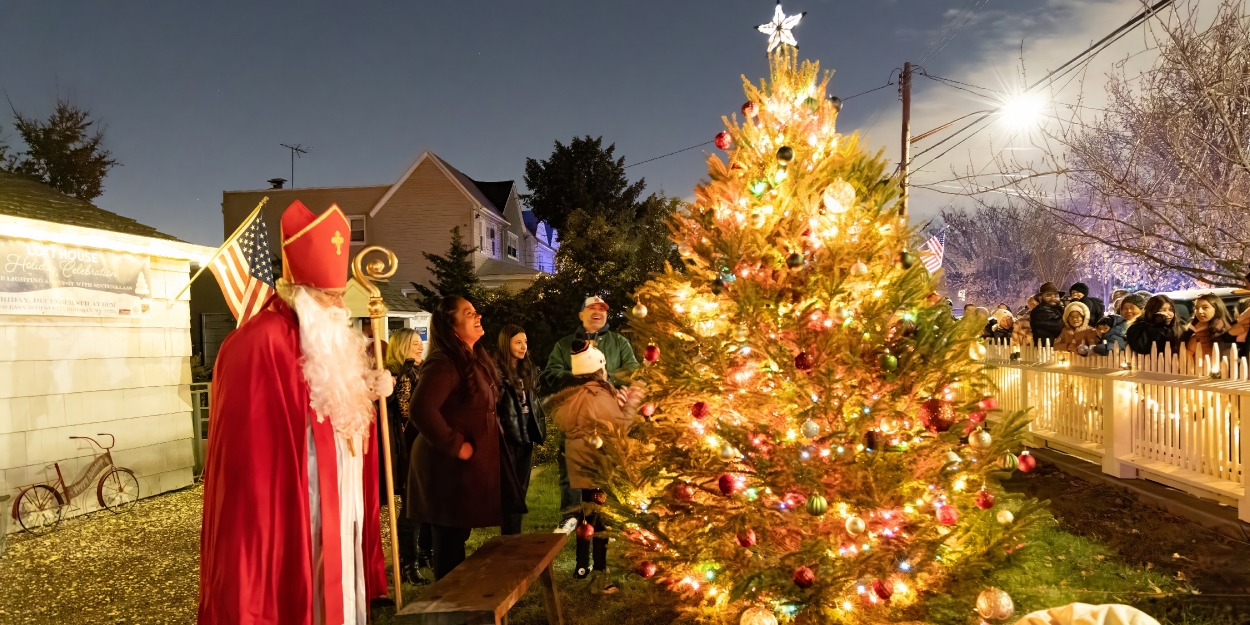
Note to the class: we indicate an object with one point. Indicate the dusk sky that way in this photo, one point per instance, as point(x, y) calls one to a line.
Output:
point(197, 98)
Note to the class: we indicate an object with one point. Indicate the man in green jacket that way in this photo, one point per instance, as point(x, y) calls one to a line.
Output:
point(620, 360)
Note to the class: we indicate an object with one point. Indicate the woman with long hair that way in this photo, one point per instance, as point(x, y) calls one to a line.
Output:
point(455, 470)
point(1209, 326)
point(1158, 327)
point(402, 359)
point(520, 414)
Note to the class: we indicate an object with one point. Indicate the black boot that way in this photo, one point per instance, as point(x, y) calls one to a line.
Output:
point(600, 545)
point(583, 559)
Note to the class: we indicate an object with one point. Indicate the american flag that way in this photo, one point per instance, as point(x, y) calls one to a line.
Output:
point(243, 269)
point(935, 248)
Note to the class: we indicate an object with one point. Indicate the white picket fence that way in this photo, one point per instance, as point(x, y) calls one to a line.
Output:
point(1169, 418)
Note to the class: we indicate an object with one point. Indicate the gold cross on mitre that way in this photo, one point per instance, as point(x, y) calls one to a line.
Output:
point(337, 240)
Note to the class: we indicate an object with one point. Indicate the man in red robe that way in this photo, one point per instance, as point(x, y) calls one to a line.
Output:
point(291, 530)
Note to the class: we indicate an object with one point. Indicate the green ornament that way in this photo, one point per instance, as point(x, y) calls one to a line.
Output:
point(1009, 462)
point(758, 187)
point(816, 505)
point(889, 362)
point(812, 103)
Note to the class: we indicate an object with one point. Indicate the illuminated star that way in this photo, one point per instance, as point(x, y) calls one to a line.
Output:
point(778, 30)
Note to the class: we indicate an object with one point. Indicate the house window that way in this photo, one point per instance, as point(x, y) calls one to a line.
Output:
point(494, 244)
point(513, 244)
point(358, 229)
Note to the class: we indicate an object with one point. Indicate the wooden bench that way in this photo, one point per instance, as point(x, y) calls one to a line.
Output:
point(488, 583)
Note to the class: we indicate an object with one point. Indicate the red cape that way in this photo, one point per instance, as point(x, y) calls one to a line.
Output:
point(255, 543)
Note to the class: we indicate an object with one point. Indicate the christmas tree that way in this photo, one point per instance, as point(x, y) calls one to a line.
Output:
point(816, 446)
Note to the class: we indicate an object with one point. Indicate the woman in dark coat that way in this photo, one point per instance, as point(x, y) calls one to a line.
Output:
point(1158, 327)
point(455, 468)
point(520, 414)
point(403, 359)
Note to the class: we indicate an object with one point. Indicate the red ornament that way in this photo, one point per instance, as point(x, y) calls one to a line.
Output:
point(699, 410)
point(883, 589)
point(728, 484)
point(947, 515)
point(747, 538)
point(585, 531)
point(1027, 462)
point(988, 403)
point(683, 491)
point(648, 410)
point(933, 298)
point(647, 568)
point(651, 353)
point(976, 417)
point(985, 499)
point(937, 415)
point(803, 362)
point(794, 500)
point(598, 496)
point(803, 577)
point(750, 109)
point(723, 140)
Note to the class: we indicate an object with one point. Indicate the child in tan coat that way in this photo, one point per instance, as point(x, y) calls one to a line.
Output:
point(586, 412)
point(1076, 335)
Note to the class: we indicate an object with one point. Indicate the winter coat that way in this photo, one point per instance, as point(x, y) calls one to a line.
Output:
point(1095, 307)
point(1113, 340)
point(1022, 332)
point(1046, 322)
point(1072, 339)
point(1143, 334)
point(522, 416)
point(583, 412)
point(1000, 332)
point(449, 410)
point(1205, 338)
point(402, 432)
point(616, 349)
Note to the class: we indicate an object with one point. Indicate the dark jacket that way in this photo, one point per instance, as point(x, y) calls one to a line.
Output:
point(521, 426)
point(1143, 334)
point(1046, 322)
point(1114, 340)
point(616, 349)
point(402, 432)
point(1095, 306)
point(442, 488)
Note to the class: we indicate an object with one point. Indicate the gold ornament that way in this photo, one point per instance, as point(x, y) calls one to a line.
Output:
point(727, 452)
point(742, 333)
point(758, 616)
point(995, 605)
point(855, 525)
point(888, 424)
point(859, 268)
point(1005, 517)
point(839, 196)
point(979, 439)
point(640, 310)
point(595, 441)
point(977, 351)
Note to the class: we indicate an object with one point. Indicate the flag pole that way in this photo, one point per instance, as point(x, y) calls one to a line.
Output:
point(379, 270)
point(223, 245)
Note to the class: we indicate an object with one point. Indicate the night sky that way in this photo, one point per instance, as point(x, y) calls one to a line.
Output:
point(196, 98)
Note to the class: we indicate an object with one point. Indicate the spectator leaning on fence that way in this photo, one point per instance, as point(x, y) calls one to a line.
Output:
point(1159, 327)
point(1209, 325)
point(1110, 330)
point(1131, 307)
point(1046, 319)
point(1076, 336)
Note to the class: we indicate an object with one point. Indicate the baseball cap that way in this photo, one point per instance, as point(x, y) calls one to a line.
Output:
point(592, 300)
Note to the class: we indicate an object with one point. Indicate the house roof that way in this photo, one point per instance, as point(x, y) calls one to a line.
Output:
point(22, 197)
point(395, 299)
point(492, 267)
point(496, 192)
point(531, 226)
point(490, 195)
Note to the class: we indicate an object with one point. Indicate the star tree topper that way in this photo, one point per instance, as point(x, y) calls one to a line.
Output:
point(778, 30)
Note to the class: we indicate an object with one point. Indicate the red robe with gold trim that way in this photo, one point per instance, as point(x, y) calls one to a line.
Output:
point(255, 544)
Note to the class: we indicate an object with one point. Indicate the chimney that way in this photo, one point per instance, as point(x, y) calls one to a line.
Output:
point(276, 183)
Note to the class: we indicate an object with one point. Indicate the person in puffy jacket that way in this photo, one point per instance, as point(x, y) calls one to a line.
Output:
point(1110, 331)
point(1046, 319)
point(520, 415)
point(586, 412)
point(1158, 327)
point(1077, 336)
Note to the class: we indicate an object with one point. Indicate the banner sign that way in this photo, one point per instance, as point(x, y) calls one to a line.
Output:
point(40, 278)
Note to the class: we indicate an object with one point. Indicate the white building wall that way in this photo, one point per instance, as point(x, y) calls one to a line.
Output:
point(79, 376)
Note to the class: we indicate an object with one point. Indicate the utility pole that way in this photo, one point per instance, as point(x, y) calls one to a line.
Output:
point(904, 86)
point(295, 149)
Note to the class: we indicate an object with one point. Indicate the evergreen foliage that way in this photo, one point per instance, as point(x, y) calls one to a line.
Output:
point(581, 175)
point(454, 274)
point(62, 152)
point(809, 447)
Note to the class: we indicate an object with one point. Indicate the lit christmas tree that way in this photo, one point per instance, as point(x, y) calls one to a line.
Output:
point(816, 445)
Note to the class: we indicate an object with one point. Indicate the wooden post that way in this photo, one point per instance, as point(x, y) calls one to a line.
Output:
point(905, 155)
point(1117, 424)
point(378, 270)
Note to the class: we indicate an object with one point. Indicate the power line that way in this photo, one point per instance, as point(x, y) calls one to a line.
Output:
point(670, 154)
point(948, 39)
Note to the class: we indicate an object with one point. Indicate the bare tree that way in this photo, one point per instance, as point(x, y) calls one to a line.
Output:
point(1161, 175)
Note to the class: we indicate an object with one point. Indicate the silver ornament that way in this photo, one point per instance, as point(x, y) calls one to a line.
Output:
point(810, 429)
point(727, 452)
point(758, 616)
point(995, 605)
point(951, 456)
point(1005, 517)
point(855, 525)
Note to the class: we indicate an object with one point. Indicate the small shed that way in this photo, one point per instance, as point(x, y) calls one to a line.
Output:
point(401, 312)
point(91, 340)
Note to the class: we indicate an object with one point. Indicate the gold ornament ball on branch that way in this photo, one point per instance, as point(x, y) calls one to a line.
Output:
point(758, 616)
point(859, 269)
point(727, 452)
point(888, 424)
point(995, 605)
point(855, 525)
point(742, 333)
point(980, 439)
point(595, 441)
point(1005, 517)
point(810, 429)
point(640, 310)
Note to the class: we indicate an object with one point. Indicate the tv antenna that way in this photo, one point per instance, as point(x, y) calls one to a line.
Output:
point(296, 150)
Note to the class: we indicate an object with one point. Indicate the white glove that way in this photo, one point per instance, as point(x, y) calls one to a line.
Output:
point(380, 383)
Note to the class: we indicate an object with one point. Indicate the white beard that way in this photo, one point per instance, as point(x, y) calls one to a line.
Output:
point(334, 364)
